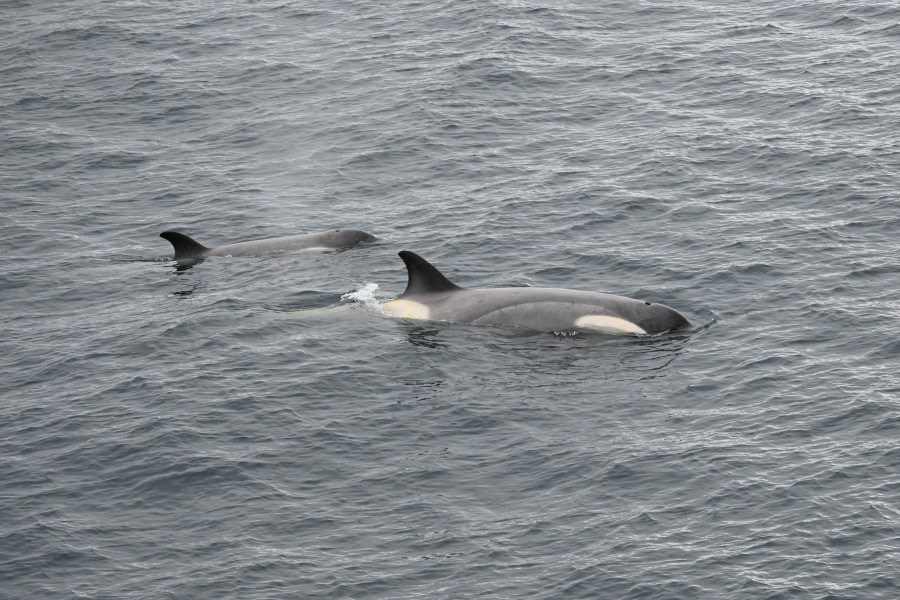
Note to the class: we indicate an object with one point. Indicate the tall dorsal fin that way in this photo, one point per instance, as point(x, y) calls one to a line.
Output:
point(423, 277)
point(185, 247)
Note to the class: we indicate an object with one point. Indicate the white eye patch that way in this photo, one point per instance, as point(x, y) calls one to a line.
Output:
point(608, 324)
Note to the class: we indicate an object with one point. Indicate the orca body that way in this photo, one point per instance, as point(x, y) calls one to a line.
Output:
point(187, 249)
point(431, 296)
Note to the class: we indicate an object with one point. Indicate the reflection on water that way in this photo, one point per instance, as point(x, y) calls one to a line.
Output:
point(177, 273)
point(538, 359)
point(189, 291)
point(425, 337)
point(185, 264)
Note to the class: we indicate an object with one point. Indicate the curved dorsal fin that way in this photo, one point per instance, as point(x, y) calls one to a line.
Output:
point(185, 247)
point(423, 277)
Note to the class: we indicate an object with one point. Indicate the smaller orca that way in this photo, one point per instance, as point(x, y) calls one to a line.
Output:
point(187, 249)
point(431, 296)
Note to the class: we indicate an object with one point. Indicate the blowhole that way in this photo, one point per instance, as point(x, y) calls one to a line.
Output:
point(647, 303)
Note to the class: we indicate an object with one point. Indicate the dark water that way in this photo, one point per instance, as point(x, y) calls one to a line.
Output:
point(238, 430)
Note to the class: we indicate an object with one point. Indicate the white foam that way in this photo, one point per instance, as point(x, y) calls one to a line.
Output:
point(365, 294)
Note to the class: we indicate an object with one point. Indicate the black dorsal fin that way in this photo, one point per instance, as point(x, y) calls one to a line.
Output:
point(423, 277)
point(185, 247)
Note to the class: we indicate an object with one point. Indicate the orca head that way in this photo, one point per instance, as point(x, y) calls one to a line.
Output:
point(659, 318)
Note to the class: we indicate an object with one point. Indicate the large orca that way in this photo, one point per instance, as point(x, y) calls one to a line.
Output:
point(187, 249)
point(431, 296)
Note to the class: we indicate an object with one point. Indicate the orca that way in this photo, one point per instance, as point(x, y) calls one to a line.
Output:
point(431, 296)
point(188, 249)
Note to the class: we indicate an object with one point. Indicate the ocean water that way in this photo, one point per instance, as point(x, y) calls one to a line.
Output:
point(255, 428)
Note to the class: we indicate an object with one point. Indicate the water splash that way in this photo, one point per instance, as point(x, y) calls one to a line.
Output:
point(366, 294)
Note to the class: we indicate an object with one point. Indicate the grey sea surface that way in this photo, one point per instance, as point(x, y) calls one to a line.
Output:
point(255, 428)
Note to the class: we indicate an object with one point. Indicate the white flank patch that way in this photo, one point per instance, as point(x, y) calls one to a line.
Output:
point(608, 324)
point(406, 309)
